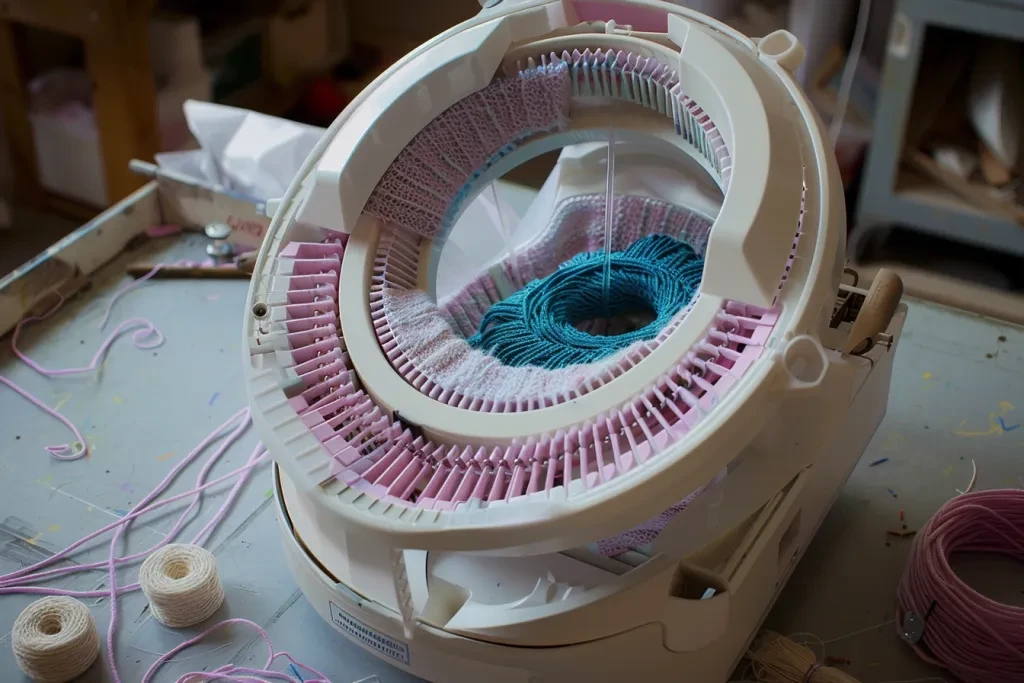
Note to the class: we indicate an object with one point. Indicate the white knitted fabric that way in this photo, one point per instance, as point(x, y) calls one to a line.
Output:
point(55, 640)
point(433, 335)
point(182, 584)
point(429, 335)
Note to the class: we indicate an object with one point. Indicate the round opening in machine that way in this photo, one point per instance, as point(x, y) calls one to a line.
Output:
point(534, 293)
point(563, 284)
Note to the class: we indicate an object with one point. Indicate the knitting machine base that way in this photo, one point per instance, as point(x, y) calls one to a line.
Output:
point(758, 556)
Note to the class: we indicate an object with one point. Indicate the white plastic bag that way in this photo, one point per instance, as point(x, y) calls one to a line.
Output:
point(242, 151)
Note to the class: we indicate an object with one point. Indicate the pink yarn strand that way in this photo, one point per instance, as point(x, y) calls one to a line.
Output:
point(143, 507)
point(216, 519)
point(230, 672)
point(8, 587)
point(112, 563)
point(143, 329)
point(171, 535)
point(38, 590)
point(124, 290)
point(145, 335)
point(140, 509)
point(61, 451)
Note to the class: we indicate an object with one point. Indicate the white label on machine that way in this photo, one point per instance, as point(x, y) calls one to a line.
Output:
point(369, 636)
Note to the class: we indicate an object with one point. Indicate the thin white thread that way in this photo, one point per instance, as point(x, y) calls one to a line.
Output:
point(974, 479)
point(850, 71)
point(857, 632)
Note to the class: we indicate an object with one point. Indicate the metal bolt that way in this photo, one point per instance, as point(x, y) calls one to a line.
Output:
point(220, 248)
point(913, 628)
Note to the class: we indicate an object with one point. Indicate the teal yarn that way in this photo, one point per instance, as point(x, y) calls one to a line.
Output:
point(537, 325)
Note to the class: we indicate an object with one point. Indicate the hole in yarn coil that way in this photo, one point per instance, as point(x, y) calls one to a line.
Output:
point(564, 318)
point(50, 625)
point(177, 569)
point(628, 318)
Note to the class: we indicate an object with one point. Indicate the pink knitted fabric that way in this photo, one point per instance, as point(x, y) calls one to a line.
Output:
point(429, 177)
point(643, 534)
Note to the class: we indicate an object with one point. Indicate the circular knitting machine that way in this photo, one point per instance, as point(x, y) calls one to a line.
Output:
point(590, 441)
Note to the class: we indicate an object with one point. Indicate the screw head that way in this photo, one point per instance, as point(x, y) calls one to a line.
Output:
point(217, 231)
point(221, 250)
point(913, 628)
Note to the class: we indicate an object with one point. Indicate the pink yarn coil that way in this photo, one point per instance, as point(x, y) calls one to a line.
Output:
point(976, 638)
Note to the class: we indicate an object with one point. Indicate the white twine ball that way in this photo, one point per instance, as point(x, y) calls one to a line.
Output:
point(182, 584)
point(55, 640)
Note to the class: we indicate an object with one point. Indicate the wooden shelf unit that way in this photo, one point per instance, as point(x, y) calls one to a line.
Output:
point(115, 35)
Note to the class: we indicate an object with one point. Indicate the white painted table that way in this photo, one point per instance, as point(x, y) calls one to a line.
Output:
point(955, 377)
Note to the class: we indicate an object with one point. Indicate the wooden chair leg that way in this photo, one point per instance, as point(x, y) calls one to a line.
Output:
point(124, 97)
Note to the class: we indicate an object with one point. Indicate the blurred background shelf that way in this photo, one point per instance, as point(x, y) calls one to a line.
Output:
point(922, 175)
point(116, 58)
point(923, 205)
point(88, 85)
point(306, 59)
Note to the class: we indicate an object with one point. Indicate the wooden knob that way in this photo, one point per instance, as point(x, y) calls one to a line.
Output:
point(877, 310)
point(247, 261)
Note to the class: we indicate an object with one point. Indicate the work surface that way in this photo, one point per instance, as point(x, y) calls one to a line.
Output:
point(955, 384)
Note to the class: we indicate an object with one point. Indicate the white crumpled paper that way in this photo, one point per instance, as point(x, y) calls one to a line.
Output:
point(242, 151)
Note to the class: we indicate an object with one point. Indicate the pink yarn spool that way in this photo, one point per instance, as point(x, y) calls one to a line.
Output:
point(978, 639)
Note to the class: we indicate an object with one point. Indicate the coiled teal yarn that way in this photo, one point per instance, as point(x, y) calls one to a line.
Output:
point(537, 325)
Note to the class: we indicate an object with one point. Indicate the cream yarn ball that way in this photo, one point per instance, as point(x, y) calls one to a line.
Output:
point(182, 584)
point(55, 640)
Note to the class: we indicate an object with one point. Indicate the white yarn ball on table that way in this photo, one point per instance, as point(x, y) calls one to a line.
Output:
point(182, 584)
point(55, 640)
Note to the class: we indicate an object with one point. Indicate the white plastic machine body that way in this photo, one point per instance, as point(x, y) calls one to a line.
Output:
point(511, 588)
point(624, 621)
